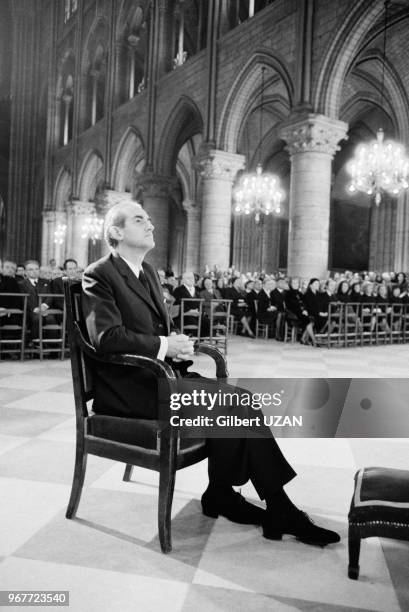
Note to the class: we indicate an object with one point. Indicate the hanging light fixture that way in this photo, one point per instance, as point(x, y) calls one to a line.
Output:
point(381, 166)
point(59, 233)
point(258, 192)
point(92, 227)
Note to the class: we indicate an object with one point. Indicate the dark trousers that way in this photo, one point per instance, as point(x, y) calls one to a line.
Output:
point(234, 460)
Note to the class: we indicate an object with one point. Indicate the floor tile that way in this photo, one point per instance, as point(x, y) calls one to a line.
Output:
point(46, 401)
point(96, 590)
point(29, 382)
point(27, 422)
point(30, 505)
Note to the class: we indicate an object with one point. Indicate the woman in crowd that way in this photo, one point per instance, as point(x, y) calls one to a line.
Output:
point(312, 301)
point(239, 308)
point(208, 293)
point(382, 307)
point(343, 292)
point(297, 314)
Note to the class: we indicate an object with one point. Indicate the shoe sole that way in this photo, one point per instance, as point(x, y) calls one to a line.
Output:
point(211, 513)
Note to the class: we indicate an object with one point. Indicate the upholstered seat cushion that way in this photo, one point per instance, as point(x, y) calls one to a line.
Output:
point(137, 432)
point(381, 494)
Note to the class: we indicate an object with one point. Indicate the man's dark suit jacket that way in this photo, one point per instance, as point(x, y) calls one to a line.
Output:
point(182, 293)
point(123, 317)
point(8, 284)
point(43, 286)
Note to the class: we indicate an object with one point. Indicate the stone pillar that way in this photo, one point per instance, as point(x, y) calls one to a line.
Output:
point(312, 141)
point(192, 235)
point(402, 233)
point(218, 170)
point(47, 236)
point(78, 249)
point(58, 249)
point(155, 191)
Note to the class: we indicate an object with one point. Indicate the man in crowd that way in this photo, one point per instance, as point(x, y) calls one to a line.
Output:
point(34, 286)
point(124, 312)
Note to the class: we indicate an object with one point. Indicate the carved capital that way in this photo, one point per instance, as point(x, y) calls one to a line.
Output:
point(220, 165)
point(313, 133)
point(154, 186)
point(191, 208)
point(79, 208)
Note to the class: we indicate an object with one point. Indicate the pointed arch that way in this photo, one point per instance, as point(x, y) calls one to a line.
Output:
point(242, 91)
point(184, 121)
point(91, 176)
point(130, 156)
point(62, 190)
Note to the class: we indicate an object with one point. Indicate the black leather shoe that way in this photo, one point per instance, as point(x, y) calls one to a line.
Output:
point(300, 525)
point(233, 506)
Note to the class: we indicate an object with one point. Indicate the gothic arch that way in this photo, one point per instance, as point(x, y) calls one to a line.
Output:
point(396, 100)
point(184, 121)
point(90, 177)
point(62, 190)
point(244, 87)
point(338, 58)
point(129, 157)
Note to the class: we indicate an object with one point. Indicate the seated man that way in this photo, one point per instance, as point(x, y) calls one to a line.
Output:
point(125, 313)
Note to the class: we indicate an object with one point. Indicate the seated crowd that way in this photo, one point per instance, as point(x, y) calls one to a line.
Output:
point(269, 299)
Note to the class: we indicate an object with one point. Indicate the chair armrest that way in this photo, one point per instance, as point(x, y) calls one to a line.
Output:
point(167, 377)
point(216, 355)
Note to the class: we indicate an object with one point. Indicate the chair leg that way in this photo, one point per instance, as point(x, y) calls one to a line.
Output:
point(77, 481)
point(128, 472)
point(354, 547)
point(167, 477)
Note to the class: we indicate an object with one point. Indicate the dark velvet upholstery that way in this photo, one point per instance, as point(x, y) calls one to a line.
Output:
point(379, 507)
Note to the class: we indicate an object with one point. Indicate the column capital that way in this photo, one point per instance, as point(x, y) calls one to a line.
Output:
point(213, 163)
point(313, 133)
point(155, 186)
point(191, 207)
point(79, 208)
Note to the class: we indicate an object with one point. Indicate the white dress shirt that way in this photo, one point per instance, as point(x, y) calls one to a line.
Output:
point(163, 339)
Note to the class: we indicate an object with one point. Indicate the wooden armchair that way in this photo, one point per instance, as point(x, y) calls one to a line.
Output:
point(152, 444)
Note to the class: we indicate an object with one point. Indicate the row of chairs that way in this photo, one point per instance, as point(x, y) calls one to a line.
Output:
point(24, 336)
point(219, 321)
point(357, 324)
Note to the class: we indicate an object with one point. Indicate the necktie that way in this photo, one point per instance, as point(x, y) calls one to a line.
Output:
point(144, 281)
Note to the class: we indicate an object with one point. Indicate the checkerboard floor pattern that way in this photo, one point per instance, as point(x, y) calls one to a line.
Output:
point(109, 557)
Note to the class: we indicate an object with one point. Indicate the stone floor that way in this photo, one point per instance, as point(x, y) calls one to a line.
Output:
point(109, 557)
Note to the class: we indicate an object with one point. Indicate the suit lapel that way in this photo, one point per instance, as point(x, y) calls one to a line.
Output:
point(156, 292)
point(133, 283)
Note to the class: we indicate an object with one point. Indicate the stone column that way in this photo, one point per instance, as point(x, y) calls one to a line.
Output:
point(78, 249)
point(192, 235)
point(58, 249)
point(47, 236)
point(312, 141)
point(218, 170)
point(402, 234)
point(155, 191)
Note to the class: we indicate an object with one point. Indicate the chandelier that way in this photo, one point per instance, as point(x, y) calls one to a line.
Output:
point(59, 233)
point(380, 166)
point(92, 227)
point(258, 192)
